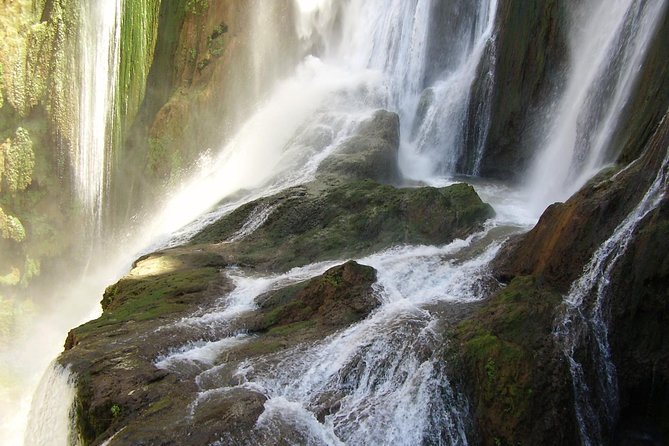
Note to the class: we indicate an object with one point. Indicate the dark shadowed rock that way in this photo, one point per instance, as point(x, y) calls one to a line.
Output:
point(530, 53)
point(509, 343)
point(517, 380)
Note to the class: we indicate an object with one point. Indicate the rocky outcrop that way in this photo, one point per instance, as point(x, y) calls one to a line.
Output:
point(312, 223)
point(371, 153)
point(341, 296)
point(512, 364)
point(528, 56)
point(566, 236)
point(119, 386)
point(342, 214)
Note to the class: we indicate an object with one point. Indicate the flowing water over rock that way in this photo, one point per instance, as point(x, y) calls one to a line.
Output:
point(585, 324)
point(608, 45)
point(52, 417)
point(384, 379)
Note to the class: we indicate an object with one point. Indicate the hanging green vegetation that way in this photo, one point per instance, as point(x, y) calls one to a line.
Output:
point(19, 161)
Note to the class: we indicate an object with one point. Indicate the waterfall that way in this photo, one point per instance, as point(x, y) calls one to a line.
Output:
point(436, 135)
point(585, 323)
point(392, 38)
point(98, 69)
point(608, 44)
point(387, 372)
point(52, 414)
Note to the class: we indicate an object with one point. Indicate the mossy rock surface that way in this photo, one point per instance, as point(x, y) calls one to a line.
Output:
point(353, 219)
point(119, 385)
point(518, 385)
point(370, 154)
point(337, 298)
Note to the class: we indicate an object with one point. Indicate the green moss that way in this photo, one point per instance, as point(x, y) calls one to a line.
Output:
point(160, 405)
point(163, 162)
point(261, 347)
point(19, 161)
point(12, 278)
point(139, 30)
point(196, 7)
point(150, 297)
point(2, 85)
point(499, 348)
point(350, 220)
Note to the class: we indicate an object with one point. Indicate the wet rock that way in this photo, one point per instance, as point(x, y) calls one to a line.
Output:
point(313, 223)
point(370, 154)
point(341, 296)
point(639, 330)
point(567, 234)
point(544, 263)
point(530, 53)
point(518, 383)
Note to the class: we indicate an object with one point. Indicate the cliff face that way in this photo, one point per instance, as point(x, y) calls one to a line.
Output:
point(526, 61)
point(37, 124)
point(213, 62)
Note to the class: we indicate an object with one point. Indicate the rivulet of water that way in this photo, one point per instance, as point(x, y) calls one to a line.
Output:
point(585, 323)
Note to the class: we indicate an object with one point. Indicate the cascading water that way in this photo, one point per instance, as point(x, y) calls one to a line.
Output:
point(52, 415)
point(608, 45)
point(437, 139)
point(392, 38)
point(99, 62)
point(386, 375)
point(585, 323)
point(388, 381)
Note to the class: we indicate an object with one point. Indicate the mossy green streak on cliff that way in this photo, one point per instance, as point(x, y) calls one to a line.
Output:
point(139, 30)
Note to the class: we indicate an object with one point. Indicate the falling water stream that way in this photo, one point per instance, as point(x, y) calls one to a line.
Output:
point(372, 55)
point(99, 64)
point(607, 50)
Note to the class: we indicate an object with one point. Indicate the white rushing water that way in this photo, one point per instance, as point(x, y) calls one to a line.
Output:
point(53, 410)
point(437, 142)
point(608, 44)
point(585, 318)
point(386, 375)
point(98, 70)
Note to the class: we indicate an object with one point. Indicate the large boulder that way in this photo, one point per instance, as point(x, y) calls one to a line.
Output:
point(370, 154)
point(310, 223)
